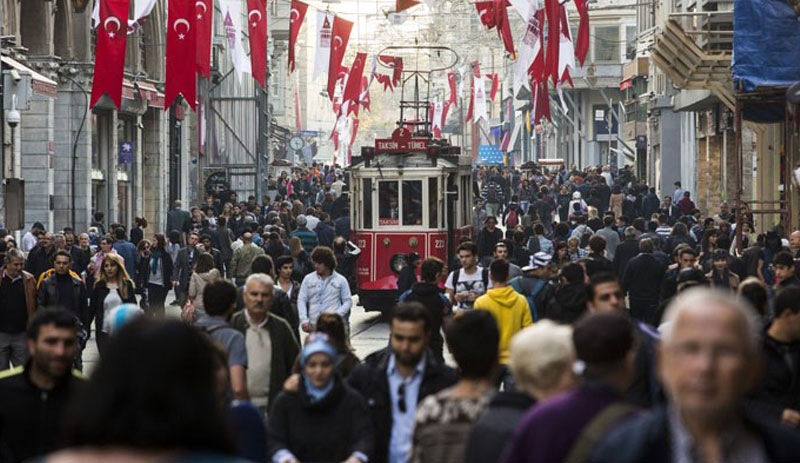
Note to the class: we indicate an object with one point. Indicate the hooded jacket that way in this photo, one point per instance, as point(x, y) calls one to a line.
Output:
point(510, 310)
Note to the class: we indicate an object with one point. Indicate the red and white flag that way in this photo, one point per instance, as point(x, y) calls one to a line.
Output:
point(385, 80)
point(436, 120)
point(566, 50)
point(109, 63)
point(451, 82)
point(181, 52)
point(553, 11)
point(495, 85)
point(296, 16)
point(352, 90)
point(582, 41)
point(529, 48)
point(323, 51)
point(339, 37)
point(141, 10)
point(257, 25)
point(364, 99)
point(204, 15)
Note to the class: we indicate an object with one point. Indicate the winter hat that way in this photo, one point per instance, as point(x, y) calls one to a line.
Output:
point(576, 195)
point(121, 316)
point(317, 343)
point(538, 260)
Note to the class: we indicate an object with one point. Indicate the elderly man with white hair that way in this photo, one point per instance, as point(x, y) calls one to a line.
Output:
point(540, 361)
point(709, 361)
point(271, 346)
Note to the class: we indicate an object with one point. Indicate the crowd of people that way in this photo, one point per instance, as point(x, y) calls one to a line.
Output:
point(629, 329)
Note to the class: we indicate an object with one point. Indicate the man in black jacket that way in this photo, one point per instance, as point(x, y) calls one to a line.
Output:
point(708, 362)
point(487, 238)
point(641, 282)
point(627, 250)
point(777, 399)
point(427, 293)
point(33, 396)
point(394, 380)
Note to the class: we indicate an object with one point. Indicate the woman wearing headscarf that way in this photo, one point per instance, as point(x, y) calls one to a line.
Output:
point(324, 420)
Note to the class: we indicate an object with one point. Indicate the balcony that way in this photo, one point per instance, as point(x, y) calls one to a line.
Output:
point(694, 51)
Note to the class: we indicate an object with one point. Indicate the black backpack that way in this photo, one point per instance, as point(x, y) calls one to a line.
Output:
point(484, 277)
point(491, 193)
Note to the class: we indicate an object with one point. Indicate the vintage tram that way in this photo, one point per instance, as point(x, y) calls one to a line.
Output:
point(409, 193)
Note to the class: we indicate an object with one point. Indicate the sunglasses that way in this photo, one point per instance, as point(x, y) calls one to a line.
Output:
point(401, 398)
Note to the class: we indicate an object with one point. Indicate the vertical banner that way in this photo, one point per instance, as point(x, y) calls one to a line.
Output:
point(257, 26)
point(204, 10)
point(181, 53)
point(339, 38)
point(109, 63)
point(323, 50)
point(352, 91)
point(296, 16)
point(232, 20)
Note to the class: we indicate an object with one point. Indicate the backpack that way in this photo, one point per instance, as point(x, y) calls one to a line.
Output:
point(530, 292)
point(511, 219)
point(484, 277)
point(491, 193)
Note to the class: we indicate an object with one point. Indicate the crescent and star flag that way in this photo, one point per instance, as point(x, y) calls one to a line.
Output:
point(181, 52)
point(486, 13)
point(296, 16)
point(504, 26)
point(445, 109)
point(340, 35)
point(141, 10)
point(385, 80)
point(451, 82)
point(353, 88)
point(204, 15)
point(495, 85)
point(109, 63)
point(582, 42)
point(324, 34)
point(257, 26)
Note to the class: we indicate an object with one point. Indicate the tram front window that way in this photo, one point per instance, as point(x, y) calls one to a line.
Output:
point(388, 204)
point(412, 202)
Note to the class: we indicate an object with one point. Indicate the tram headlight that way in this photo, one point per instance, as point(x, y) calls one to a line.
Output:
point(397, 263)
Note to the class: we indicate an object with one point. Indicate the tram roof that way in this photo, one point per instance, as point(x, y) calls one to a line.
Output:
point(411, 160)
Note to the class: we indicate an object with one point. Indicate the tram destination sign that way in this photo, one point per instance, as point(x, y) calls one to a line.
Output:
point(401, 142)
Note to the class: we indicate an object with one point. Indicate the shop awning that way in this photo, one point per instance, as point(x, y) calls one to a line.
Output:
point(148, 92)
point(40, 84)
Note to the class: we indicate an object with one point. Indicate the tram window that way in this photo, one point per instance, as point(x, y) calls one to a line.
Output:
point(367, 203)
point(412, 202)
point(433, 199)
point(388, 204)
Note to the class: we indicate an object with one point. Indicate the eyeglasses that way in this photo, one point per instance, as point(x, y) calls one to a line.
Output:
point(401, 398)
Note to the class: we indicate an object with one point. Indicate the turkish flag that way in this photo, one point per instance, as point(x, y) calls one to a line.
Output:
point(486, 13)
point(340, 36)
point(365, 100)
point(204, 22)
point(495, 85)
point(385, 80)
point(257, 24)
point(396, 64)
point(582, 41)
point(109, 62)
point(503, 26)
point(353, 89)
point(296, 16)
point(451, 82)
point(553, 12)
point(181, 53)
point(401, 5)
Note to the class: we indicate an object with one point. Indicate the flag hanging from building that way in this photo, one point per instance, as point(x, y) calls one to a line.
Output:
point(141, 10)
point(340, 35)
point(582, 41)
point(109, 63)
point(257, 26)
point(479, 95)
point(495, 78)
point(451, 83)
point(181, 53)
point(232, 20)
point(553, 12)
point(353, 89)
point(204, 11)
point(566, 50)
point(529, 48)
point(364, 99)
point(296, 17)
point(324, 36)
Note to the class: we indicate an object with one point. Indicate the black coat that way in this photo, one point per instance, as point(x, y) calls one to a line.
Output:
point(571, 300)
point(780, 386)
point(642, 277)
point(97, 297)
point(143, 270)
point(329, 430)
point(646, 438)
point(494, 428)
point(371, 381)
point(486, 241)
point(625, 251)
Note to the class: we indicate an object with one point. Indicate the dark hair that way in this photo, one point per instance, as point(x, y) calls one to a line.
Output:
point(608, 220)
point(205, 236)
point(754, 292)
point(538, 229)
point(598, 279)
point(597, 244)
point(219, 297)
point(468, 246)
point(161, 241)
point(58, 317)
point(430, 269)
point(324, 255)
point(411, 312)
point(646, 246)
point(123, 406)
point(204, 263)
point(783, 258)
point(476, 360)
point(498, 270)
point(686, 250)
point(174, 236)
point(787, 299)
point(62, 253)
point(119, 233)
point(720, 254)
point(332, 324)
point(283, 260)
point(262, 263)
point(573, 272)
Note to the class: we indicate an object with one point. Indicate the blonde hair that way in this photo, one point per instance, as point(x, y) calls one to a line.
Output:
point(540, 354)
point(122, 274)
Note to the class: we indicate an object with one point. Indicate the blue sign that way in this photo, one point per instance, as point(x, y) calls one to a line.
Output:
point(489, 154)
point(125, 152)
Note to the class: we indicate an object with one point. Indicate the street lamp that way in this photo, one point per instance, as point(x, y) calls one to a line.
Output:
point(13, 118)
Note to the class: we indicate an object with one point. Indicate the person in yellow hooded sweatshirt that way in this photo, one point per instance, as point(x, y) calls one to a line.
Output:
point(509, 308)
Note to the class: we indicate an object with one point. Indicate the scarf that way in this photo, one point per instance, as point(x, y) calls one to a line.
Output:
point(155, 257)
point(318, 393)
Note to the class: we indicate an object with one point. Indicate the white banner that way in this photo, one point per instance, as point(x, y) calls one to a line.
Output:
point(323, 52)
point(566, 50)
point(529, 47)
point(232, 21)
point(480, 101)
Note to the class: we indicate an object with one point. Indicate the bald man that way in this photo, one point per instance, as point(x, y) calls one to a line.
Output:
point(708, 362)
point(794, 243)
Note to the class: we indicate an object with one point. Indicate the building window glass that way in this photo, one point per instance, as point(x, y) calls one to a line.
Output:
point(630, 42)
point(606, 44)
point(367, 202)
point(412, 202)
point(388, 204)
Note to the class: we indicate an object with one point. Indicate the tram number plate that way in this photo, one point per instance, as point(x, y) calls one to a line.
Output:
point(362, 244)
point(438, 244)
